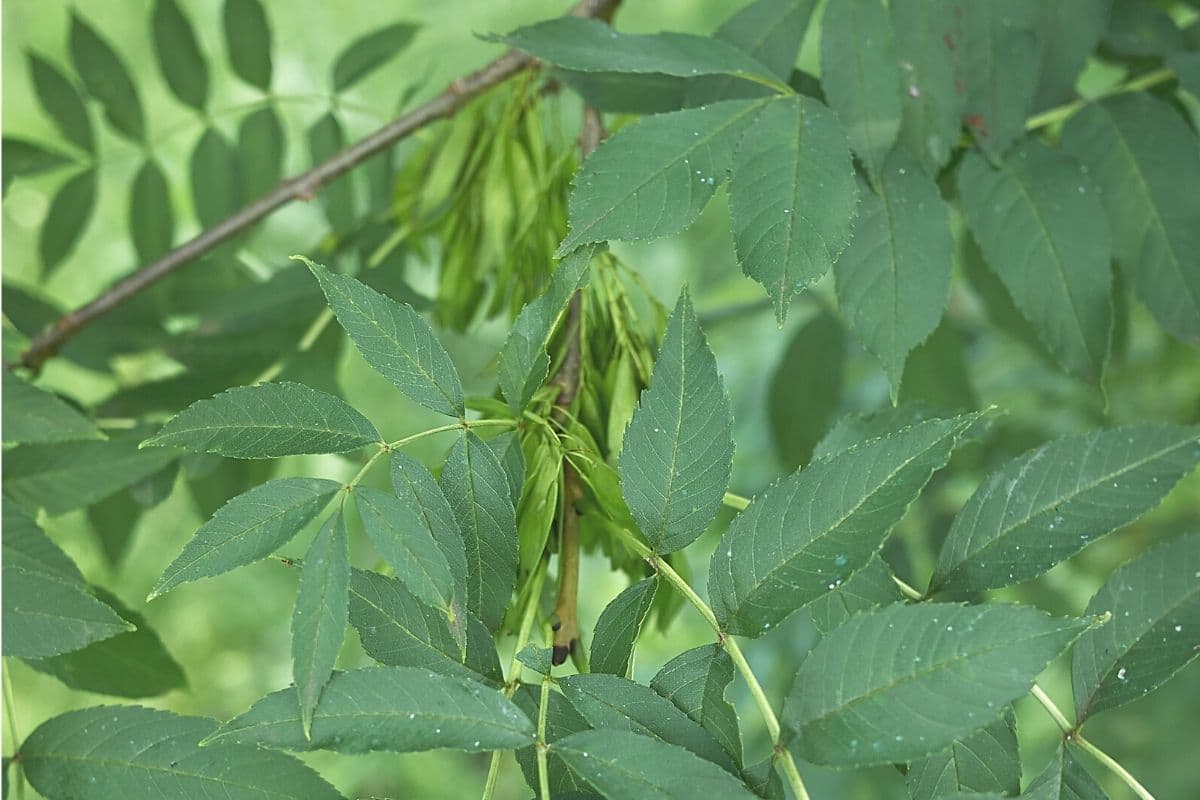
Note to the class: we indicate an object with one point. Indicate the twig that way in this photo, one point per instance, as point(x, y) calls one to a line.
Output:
point(300, 187)
point(566, 609)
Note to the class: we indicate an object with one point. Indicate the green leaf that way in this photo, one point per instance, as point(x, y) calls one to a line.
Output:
point(216, 178)
point(806, 388)
point(862, 695)
point(625, 766)
point(769, 30)
point(267, 420)
point(1067, 33)
point(931, 105)
point(671, 163)
point(151, 221)
point(248, 40)
point(261, 142)
point(34, 415)
point(407, 544)
point(1042, 228)
point(1052, 502)
point(855, 428)
point(418, 490)
point(476, 487)
point(1186, 66)
point(860, 77)
point(105, 77)
point(62, 102)
point(524, 364)
point(870, 587)
point(395, 341)
point(1155, 606)
point(999, 63)
point(538, 659)
point(48, 609)
point(589, 45)
point(893, 280)
point(179, 55)
point(62, 476)
point(678, 448)
point(368, 53)
point(319, 619)
point(985, 761)
point(1064, 779)
point(398, 629)
point(22, 157)
point(394, 709)
point(129, 751)
point(507, 447)
point(69, 213)
point(618, 628)
point(607, 701)
point(792, 198)
point(325, 139)
point(561, 721)
point(252, 525)
point(1142, 157)
point(809, 533)
point(1140, 29)
point(131, 664)
point(695, 682)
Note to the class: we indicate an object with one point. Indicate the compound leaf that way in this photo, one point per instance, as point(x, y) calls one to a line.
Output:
point(248, 39)
point(1042, 229)
point(863, 693)
point(269, 420)
point(677, 452)
point(179, 55)
point(476, 487)
point(366, 54)
point(792, 197)
point(809, 533)
point(1143, 157)
point(608, 701)
point(395, 709)
point(893, 279)
point(695, 682)
point(105, 77)
point(985, 761)
point(407, 544)
point(395, 341)
point(618, 628)
point(524, 364)
point(48, 609)
point(129, 751)
point(1050, 503)
point(250, 526)
point(860, 77)
point(653, 177)
point(33, 415)
point(626, 766)
point(319, 619)
point(1155, 605)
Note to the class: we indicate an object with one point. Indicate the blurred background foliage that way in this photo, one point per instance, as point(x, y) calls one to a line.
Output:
point(503, 164)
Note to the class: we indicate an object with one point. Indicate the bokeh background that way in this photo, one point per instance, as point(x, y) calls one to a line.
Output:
point(231, 634)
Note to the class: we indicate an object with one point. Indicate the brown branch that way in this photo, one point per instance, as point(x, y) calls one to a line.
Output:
point(566, 609)
point(300, 187)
